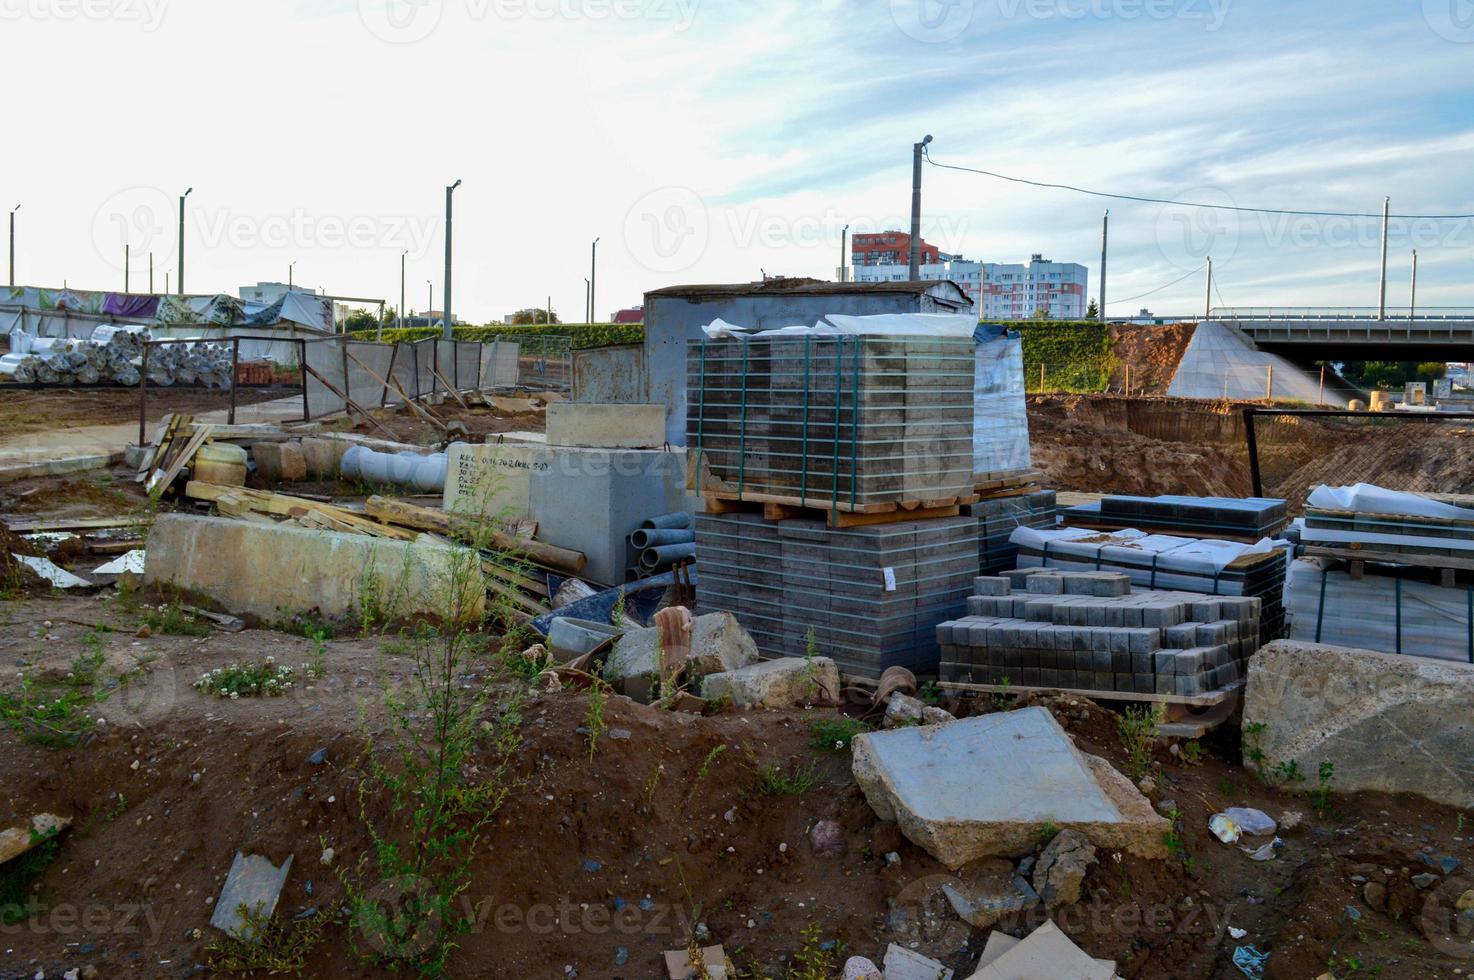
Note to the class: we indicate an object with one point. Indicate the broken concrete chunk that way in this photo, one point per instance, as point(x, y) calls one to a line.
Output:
point(717, 643)
point(984, 899)
point(15, 841)
point(984, 786)
point(279, 462)
point(1387, 723)
point(932, 715)
point(322, 457)
point(902, 710)
point(254, 884)
point(1047, 952)
point(780, 683)
point(904, 964)
point(1060, 873)
point(713, 958)
point(859, 968)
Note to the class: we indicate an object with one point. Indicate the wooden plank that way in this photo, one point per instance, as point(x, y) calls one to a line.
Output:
point(448, 386)
point(1193, 700)
point(843, 519)
point(282, 505)
point(161, 479)
point(462, 527)
point(77, 524)
point(1390, 557)
point(779, 511)
point(398, 387)
point(347, 401)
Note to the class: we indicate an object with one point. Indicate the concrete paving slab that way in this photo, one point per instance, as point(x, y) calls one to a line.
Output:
point(984, 786)
point(255, 883)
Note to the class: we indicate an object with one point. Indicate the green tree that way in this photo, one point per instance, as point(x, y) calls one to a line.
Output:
point(1092, 311)
point(1391, 375)
point(533, 316)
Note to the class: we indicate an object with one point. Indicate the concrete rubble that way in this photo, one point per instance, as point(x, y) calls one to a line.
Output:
point(984, 786)
point(717, 644)
point(781, 683)
point(1394, 724)
point(15, 841)
point(1045, 953)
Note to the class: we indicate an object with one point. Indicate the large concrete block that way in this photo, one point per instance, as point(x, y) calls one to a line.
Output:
point(984, 786)
point(490, 480)
point(606, 426)
point(782, 683)
point(279, 462)
point(323, 457)
point(591, 499)
point(282, 569)
point(1392, 723)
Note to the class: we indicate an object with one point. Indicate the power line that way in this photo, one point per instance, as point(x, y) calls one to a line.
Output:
point(1191, 204)
point(1192, 272)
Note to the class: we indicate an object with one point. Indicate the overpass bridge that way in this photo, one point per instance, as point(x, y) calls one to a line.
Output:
point(1350, 334)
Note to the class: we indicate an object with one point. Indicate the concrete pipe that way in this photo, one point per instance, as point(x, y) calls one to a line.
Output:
point(666, 555)
point(648, 538)
point(425, 473)
point(678, 520)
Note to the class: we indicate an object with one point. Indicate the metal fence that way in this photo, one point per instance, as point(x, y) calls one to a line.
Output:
point(1293, 451)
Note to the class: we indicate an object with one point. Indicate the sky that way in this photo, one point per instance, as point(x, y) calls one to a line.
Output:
point(718, 140)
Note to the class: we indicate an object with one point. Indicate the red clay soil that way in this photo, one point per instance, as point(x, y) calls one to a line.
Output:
point(1152, 353)
point(594, 866)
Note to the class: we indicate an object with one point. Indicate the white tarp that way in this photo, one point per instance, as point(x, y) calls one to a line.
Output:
point(845, 325)
point(1365, 498)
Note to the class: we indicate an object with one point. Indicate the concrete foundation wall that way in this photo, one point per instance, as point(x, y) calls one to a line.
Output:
point(275, 570)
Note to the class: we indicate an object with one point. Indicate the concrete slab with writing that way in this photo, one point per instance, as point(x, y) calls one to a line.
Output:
point(253, 883)
point(493, 480)
point(984, 786)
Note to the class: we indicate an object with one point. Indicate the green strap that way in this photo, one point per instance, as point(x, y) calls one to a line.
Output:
point(1046, 554)
point(803, 486)
point(1469, 619)
point(701, 408)
point(1398, 599)
point(1320, 611)
point(838, 380)
point(1155, 557)
point(854, 423)
point(742, 428)
point(1217, 572)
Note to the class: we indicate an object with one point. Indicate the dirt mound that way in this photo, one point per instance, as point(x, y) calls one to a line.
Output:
point(1151, 352)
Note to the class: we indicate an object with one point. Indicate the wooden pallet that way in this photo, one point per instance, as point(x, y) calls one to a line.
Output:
point(1183, 532)
point(1356, 558)
point(782, 509)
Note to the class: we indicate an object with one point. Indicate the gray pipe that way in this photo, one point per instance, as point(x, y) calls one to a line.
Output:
point(645, 538)
point(426, 473)
point(680, 519)
point(667, 555)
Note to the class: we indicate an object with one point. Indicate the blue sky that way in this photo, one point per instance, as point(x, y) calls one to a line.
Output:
point(710, 140)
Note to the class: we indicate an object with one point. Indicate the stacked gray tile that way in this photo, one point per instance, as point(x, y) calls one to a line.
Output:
point(997, 518)
point(848, 421)
point(1088, 631)
point(871, 596)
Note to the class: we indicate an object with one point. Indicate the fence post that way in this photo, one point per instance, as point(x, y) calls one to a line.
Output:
point(302, 369)
point(1128, 380)
point(235, 361)
point(1041, 377)
point(1269, 383)
point(1322, 395)
point(1251, 438)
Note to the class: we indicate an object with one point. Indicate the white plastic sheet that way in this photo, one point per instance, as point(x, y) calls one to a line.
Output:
point(1365, 498)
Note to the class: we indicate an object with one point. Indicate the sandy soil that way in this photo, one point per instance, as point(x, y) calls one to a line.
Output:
point(1151, 352)
point(24, 409)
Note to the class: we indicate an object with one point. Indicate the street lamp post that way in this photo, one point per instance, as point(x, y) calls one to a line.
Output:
point(587, 316)
point(593, 276)
point(181, 238)
point(844, 247)
point(448, 321)
point(12, 243)
point(401, 286)
point(429, 303)
point(289, 274)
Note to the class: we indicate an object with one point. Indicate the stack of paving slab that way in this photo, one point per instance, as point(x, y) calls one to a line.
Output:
point(1241, 517)
point(853, 423)
point(871, 595)
point(1205, 566)
point(999, 517)
point(1389, 526)
point(1090, 631)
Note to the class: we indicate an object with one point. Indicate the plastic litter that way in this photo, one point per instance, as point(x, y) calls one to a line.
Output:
point(1265, 851)
point(1224, 828)
point(1255, 823)
point(1237, 933)
point(1250, 961)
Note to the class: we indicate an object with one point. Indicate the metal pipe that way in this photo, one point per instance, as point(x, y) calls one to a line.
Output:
point(679, 519)
point(652, 558)
point(656, 537)
point(1382, 288)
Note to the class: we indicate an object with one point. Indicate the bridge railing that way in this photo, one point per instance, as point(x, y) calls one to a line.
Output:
point(1342, 313)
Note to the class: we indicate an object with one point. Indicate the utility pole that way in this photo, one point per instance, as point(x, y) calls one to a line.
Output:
point(1412, 303)
point(401, 286)
point(1208, 299)
point(844, 253)
point(1105, 229)
point(12, 243)
point(913, 269)
point(587, 316)
point(150, 273)
point(181, 238)
point(127, 258)
point(448, 321)
point(430, 303)
point(1382, 290)
point(593, 276)
point(549, 318)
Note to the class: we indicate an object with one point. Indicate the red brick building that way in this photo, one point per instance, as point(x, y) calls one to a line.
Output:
point(889, 248)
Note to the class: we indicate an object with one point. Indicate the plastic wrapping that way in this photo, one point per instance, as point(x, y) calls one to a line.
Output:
point(1000, 437)
point(1379, 612)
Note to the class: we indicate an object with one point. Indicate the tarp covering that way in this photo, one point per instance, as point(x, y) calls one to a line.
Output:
point(132, 305)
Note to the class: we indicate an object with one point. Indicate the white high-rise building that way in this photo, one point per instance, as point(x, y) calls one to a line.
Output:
point(1000, 291)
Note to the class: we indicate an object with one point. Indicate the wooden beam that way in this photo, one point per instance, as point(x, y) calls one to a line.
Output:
point(398, 387)
point(458, 526)
point(346, 400)
point(448, 386)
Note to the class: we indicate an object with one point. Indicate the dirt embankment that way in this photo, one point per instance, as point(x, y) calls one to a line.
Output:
point(1147, 355)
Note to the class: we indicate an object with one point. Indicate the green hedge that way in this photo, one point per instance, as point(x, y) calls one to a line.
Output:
point(1076, 354)
point(583, 335)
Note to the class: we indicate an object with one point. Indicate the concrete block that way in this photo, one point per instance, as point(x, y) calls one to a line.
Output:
point(490, 480)
point(1046, 584)
point(606, 426)
point(255, 883)
point(1393, 724)
point(322, 457)
point(983, 786)
point(718, 643)
point(781, 683)
point(591, 499)
point(279, 462)
point(272, 570)
point(991, 586)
